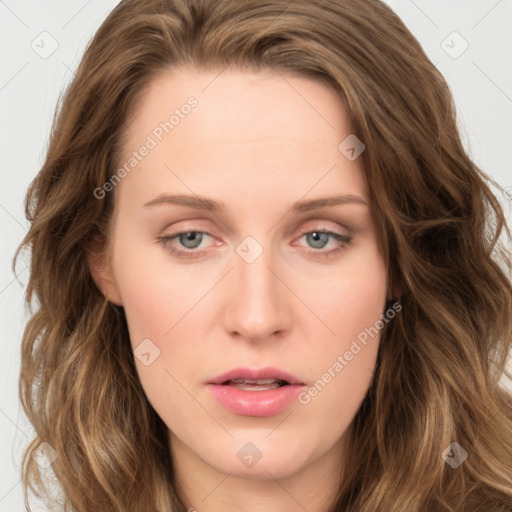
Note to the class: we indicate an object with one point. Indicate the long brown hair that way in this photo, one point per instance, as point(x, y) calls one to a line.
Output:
point(438, 222)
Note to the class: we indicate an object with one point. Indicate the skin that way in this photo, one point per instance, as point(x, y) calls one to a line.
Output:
point(258, 142)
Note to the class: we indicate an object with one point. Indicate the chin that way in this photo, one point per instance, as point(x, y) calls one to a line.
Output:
point(260, 459)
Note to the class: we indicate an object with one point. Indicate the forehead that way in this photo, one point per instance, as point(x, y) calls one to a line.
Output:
point(231, 127)
point(236, 106)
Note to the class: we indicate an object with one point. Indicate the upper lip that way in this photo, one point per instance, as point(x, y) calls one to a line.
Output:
point(255, 374)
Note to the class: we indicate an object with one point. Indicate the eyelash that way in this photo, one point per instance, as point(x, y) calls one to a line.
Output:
point(344, 239)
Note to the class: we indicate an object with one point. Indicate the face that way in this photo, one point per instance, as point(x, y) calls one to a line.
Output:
point(248, 296)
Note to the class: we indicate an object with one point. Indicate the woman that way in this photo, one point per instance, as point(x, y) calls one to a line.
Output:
point(268, 275)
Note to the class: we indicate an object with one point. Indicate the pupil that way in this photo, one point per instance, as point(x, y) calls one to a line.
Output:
point(191, 236)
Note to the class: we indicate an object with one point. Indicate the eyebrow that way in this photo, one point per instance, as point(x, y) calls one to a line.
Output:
point(203, 203)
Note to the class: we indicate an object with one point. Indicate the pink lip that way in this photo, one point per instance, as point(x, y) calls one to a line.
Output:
point(255, 403)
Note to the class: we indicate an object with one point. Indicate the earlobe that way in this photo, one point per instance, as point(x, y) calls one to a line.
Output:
point(102, 274)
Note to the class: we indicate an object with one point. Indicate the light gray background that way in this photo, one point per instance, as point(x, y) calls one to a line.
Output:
point(480, 78)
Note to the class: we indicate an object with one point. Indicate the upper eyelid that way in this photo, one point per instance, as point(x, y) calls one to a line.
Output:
point(301, 231)
point(309, 227)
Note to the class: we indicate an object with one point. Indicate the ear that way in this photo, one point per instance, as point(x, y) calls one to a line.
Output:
point(102, 273)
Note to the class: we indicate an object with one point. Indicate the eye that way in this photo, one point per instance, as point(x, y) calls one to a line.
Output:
point(189, 240)
point(319, 239)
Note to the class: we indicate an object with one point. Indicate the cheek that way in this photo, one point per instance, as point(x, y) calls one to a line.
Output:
point(353, 299)
point(343, 362)
point(155, 298)
point(154, 293)
point(158, 301)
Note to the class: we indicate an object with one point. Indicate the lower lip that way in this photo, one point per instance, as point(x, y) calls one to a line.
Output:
point(255, 403)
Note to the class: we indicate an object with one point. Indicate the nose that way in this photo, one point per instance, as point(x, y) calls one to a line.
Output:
point(259, 304)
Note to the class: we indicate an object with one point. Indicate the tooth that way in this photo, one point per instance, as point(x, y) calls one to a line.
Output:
point(255, 387)
point(248, 381)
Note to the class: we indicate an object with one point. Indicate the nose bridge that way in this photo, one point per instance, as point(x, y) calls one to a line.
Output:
point(258, 306)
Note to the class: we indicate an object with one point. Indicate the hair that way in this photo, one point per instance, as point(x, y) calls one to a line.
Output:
point(439, 226)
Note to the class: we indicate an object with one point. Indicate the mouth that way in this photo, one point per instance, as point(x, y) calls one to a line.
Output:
point(256, 379)
point(256, 385)
point(262, 392)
